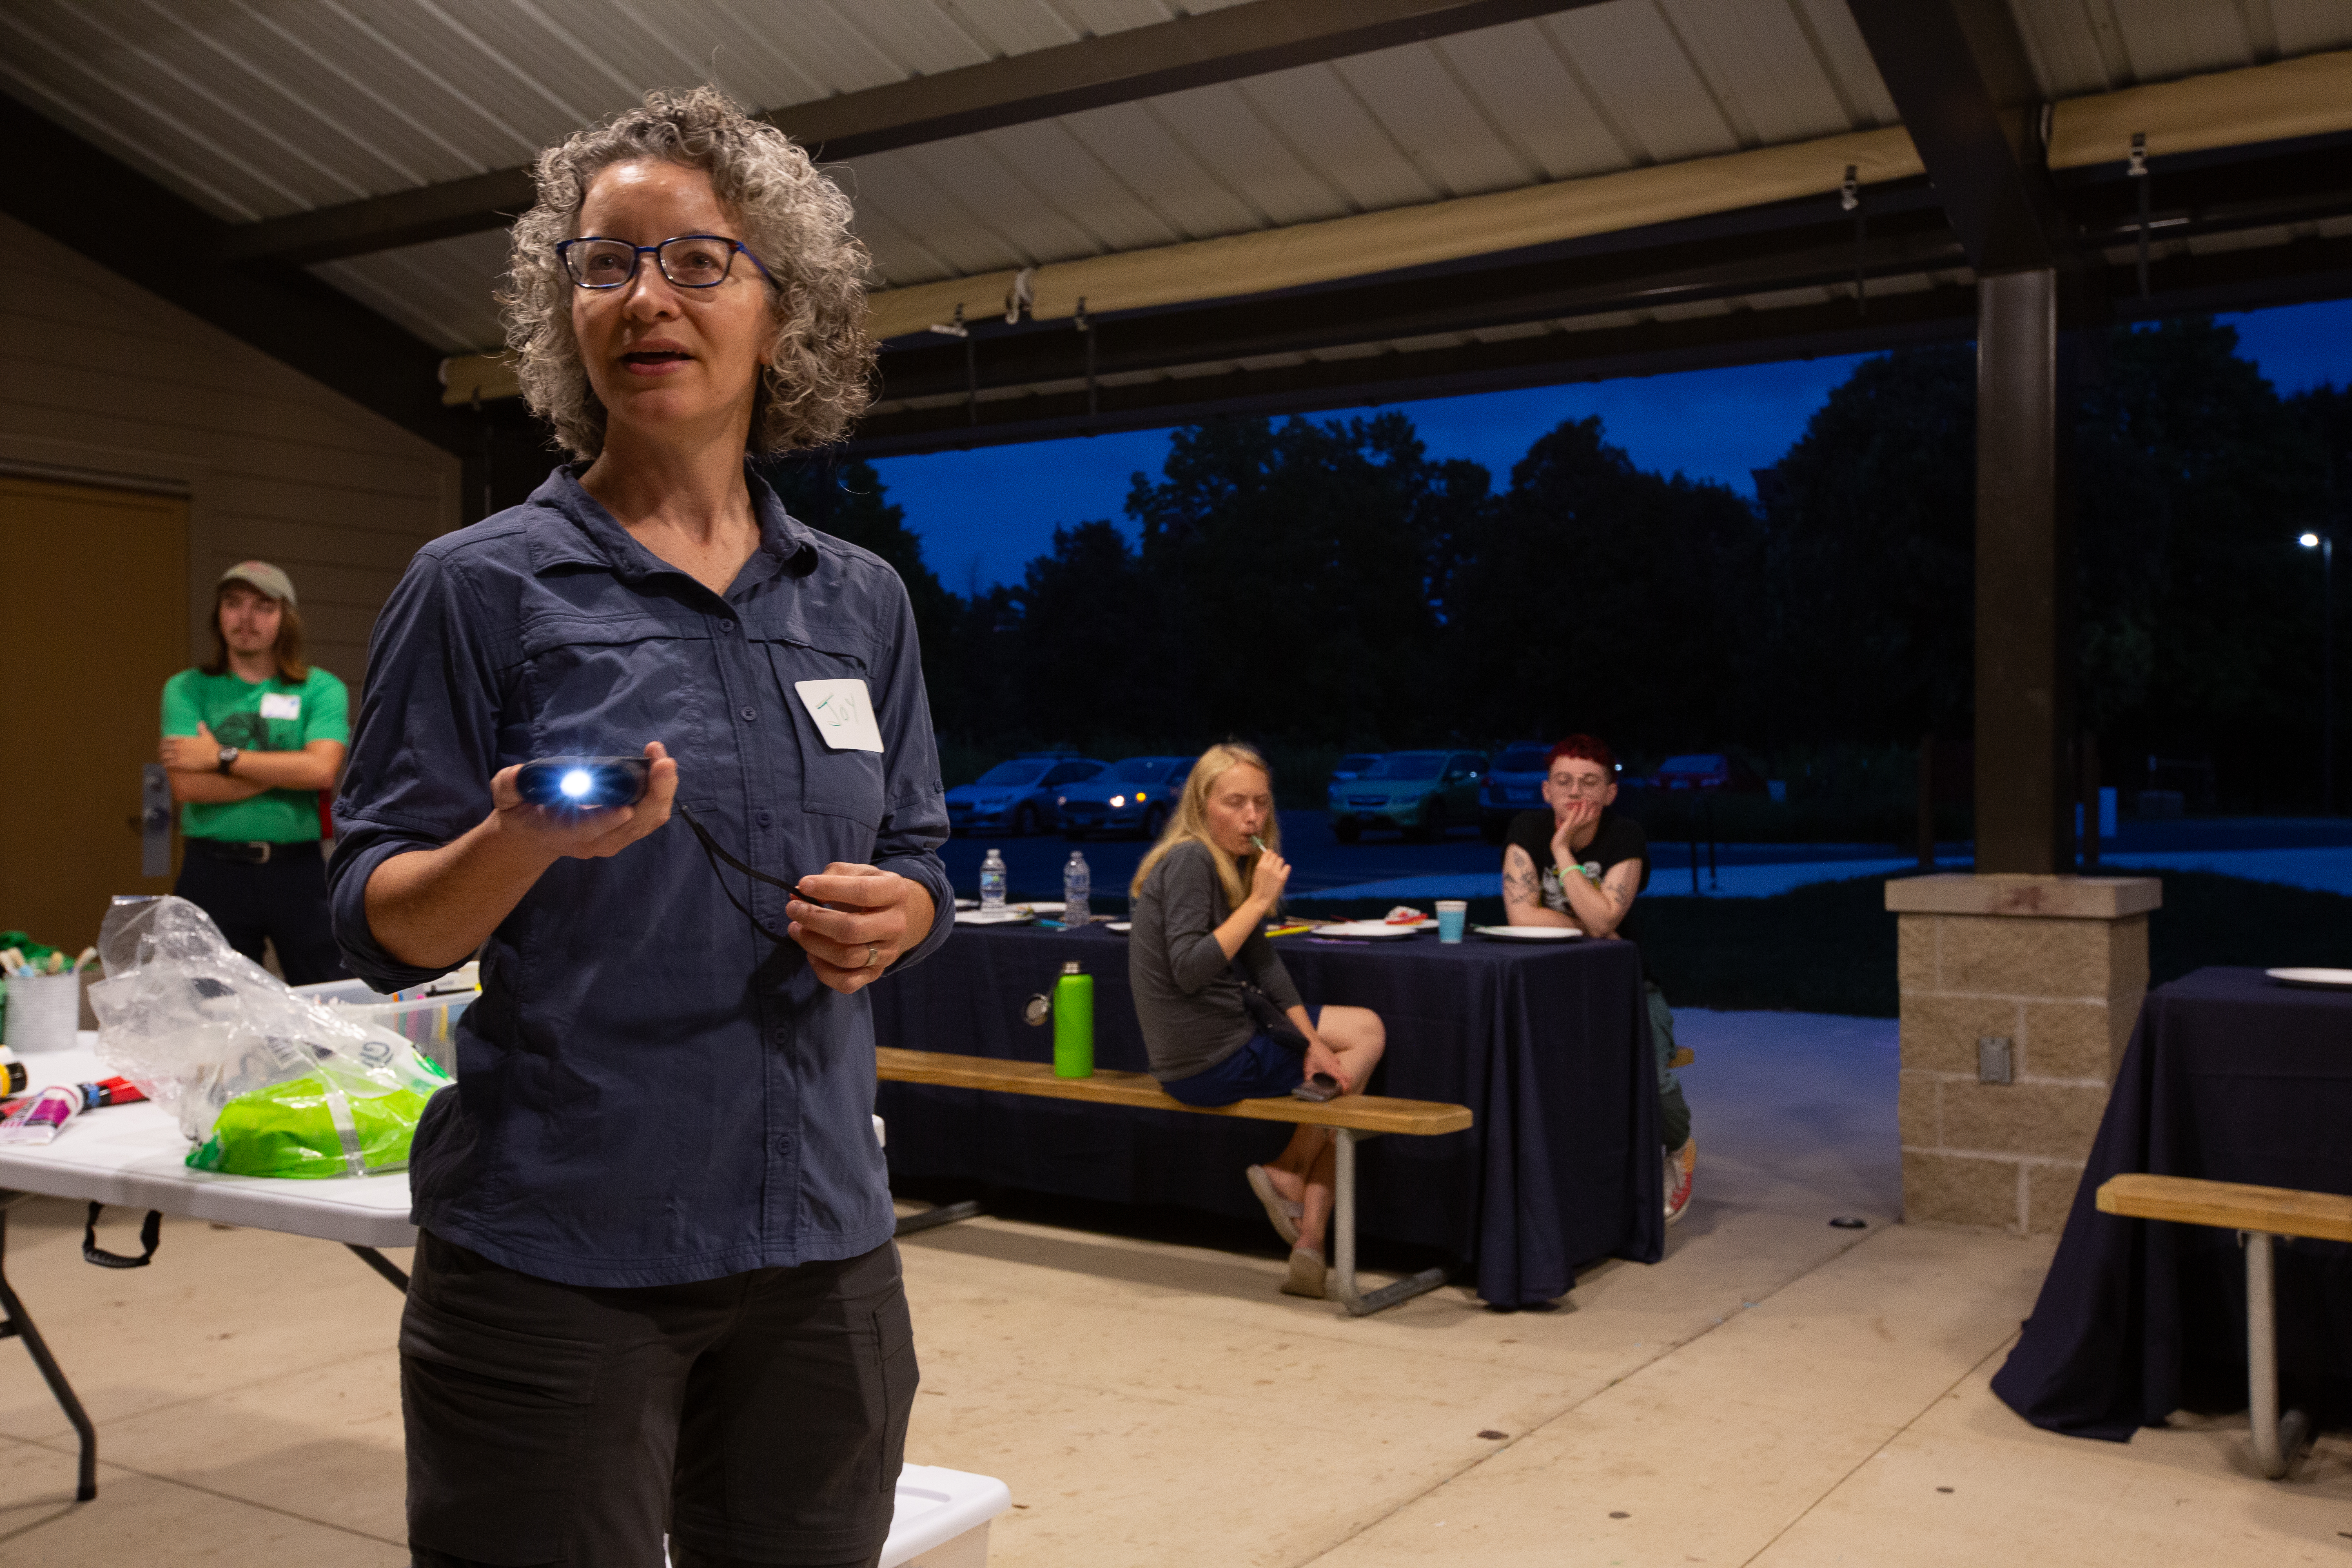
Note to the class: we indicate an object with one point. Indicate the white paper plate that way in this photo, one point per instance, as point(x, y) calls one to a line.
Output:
point(1120, 926)
point(2317, 979)
point(1364, 930)
point(1007, 917)
point(1052, 907)
point(1530, 934)
point(967, 903)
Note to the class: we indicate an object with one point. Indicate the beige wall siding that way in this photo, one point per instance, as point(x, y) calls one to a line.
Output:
point(101, 381)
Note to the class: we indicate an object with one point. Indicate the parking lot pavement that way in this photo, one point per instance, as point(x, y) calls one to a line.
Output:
point(2265, 848)
point(1034, 866)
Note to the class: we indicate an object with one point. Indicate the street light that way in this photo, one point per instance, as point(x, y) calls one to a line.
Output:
point(2325, 545)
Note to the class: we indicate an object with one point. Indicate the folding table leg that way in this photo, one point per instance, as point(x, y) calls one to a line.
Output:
point(1343, 1239)
point(2277, 1439)
point(940, 1214)
point(392, 1271)
point(16, 1321)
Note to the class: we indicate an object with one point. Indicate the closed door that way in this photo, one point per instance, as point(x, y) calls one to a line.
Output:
point(93, 619)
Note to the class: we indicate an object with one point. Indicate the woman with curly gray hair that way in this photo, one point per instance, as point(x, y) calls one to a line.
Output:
point(655, 1288)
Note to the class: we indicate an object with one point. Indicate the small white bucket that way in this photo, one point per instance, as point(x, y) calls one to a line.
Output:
point(44, 1012)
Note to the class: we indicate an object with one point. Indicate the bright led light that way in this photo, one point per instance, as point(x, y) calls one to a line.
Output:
point(1117, 800)
point(1139, 798)
point(2309, 542)
point(576, 783)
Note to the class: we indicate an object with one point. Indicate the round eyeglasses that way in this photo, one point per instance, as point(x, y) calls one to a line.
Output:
point(687, 261)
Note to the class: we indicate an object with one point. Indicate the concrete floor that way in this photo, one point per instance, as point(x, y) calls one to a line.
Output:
point(1775, 1392)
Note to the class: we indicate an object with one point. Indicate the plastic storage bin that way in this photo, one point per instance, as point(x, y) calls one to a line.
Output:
point(941, 1519)
point(424, 1016)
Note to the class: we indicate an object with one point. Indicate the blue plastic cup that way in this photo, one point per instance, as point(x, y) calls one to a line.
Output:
point(1453, 914)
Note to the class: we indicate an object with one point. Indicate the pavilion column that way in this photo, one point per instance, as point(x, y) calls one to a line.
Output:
point(2025, 563)
point(2018, 983)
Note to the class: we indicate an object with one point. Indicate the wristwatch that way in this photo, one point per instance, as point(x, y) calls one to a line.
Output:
point(228, 756)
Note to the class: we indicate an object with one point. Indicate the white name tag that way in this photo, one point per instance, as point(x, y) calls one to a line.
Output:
point(281, 705)
point(844, 713)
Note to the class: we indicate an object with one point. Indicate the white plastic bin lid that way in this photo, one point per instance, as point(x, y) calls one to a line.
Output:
point(935, 1505)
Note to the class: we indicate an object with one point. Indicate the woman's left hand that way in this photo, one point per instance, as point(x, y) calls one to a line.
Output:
point(1321, 1058)
point(873, 917)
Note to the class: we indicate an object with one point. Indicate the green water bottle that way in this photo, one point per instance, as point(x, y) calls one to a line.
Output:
point(1074, 1023)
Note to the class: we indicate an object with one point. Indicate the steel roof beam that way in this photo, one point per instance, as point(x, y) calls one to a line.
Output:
point(1111, 67)
point(1409, 307)
point(120, 219)
point(1741, 337)
point(1960, 78)
point(2313, 268)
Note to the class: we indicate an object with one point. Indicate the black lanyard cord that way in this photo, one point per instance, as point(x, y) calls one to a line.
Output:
point(714, 853)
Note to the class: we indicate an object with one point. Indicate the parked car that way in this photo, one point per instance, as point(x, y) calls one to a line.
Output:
point(1017, 798)
point(1353, 764)
point(1706, 771)
point(1423, 793)
point(1133, 795)
point(1514, 784)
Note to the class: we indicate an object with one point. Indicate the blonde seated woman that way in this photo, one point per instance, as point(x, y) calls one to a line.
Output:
point(1200, 900)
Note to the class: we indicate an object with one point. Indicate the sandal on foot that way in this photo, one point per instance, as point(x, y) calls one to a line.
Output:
point(1306, 1276)
point(1281, 1211)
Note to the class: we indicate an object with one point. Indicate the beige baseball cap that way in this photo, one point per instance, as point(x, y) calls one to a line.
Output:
point(261, 575)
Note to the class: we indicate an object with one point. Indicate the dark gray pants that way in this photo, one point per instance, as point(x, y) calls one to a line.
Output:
point(761, 1417)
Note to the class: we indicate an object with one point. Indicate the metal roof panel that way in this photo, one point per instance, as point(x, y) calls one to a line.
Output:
point(1224, 131)
point(1320, 113)
point(1628, 58)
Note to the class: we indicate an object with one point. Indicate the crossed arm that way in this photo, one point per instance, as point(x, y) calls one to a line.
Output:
point(195, 770)
point(1599, 910)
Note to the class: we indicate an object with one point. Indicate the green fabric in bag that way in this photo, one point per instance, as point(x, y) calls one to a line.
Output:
point(288, 1130)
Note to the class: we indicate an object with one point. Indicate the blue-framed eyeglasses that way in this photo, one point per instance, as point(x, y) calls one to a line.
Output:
point(687, 261)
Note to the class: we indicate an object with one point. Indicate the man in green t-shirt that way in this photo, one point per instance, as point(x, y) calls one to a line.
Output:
point(252, 741)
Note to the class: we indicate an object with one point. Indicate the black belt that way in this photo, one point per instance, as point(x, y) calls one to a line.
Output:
point(254, 851)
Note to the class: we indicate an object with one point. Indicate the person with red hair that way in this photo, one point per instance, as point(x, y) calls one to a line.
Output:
point(1579, 865)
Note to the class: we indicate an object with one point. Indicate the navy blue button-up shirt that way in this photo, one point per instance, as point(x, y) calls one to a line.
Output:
point(650, 1091)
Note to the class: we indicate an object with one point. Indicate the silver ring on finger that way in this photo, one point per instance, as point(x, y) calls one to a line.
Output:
point(873, 954)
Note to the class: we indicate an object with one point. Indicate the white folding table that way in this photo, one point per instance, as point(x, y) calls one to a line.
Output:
point(132, 1156)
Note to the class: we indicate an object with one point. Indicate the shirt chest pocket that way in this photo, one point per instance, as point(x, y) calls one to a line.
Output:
point(606, 688)
point(843, 781)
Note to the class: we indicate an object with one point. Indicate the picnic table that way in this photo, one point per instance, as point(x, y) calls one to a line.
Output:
point(1547, 1045)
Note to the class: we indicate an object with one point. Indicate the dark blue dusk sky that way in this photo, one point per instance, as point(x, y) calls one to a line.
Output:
point(983, 514)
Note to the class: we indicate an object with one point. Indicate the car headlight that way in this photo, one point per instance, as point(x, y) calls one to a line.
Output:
point(1117, 800)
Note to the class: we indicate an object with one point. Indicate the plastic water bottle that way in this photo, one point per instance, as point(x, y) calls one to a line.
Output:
point(1078, 886)
point(1074, 1023)
point(991, 881)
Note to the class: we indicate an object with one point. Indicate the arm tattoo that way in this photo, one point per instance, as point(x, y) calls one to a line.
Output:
point(1520, 884)
point(1620, 889)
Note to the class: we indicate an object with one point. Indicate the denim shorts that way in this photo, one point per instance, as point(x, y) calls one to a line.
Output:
point(1259, 1070)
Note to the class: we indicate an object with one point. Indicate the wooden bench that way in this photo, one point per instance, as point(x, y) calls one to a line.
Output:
point(2258, 1215)
point(1351, 1117)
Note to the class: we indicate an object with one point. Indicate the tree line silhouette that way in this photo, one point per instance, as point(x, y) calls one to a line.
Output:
point(1327, 584)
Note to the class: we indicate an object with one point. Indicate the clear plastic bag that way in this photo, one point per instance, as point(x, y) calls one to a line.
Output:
point(196, 1024)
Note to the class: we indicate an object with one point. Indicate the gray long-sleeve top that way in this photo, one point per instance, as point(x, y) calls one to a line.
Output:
point(1186, 996)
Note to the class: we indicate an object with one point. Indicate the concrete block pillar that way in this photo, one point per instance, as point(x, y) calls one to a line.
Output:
point(2054, 966)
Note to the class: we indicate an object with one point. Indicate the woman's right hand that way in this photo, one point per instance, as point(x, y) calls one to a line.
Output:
point(560, 834)
point(1267, 880)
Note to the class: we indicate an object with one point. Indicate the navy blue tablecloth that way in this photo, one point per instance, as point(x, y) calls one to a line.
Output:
point(1548, 1046)
point(2231, 1077)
